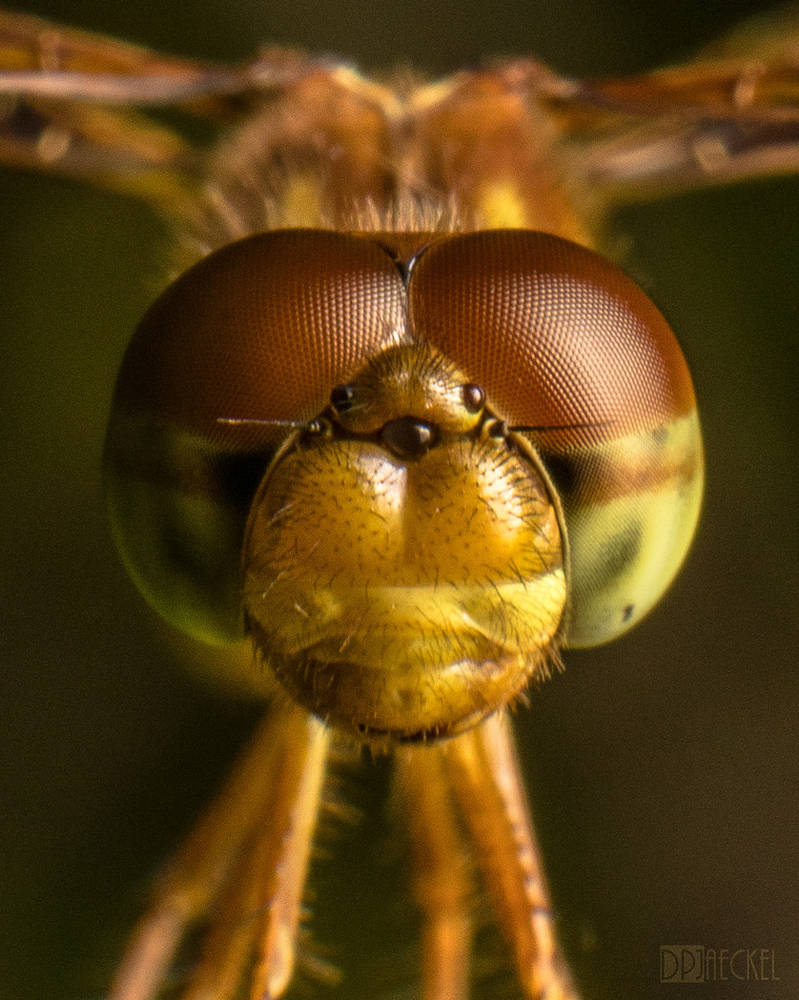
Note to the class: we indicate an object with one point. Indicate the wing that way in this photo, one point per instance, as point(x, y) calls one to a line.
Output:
point(730, 115)
point(70, 100)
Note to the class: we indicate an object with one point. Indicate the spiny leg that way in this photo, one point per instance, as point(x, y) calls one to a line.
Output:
point(201, 867)
point(482, 768)
point(282, 895)
point(260, 907)
point(440, 882)
point(231, 938)
point(213, 862)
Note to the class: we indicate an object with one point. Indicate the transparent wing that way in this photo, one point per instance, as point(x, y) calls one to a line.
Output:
point(69, 100)
point(40, 58)
point(730, 115)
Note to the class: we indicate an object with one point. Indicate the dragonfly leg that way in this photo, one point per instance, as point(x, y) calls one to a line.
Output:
point(483, 770)
point(289, 838)
point(240, 837)
point(441, 881)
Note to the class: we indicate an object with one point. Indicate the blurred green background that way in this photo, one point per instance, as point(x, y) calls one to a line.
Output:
point(663, 768)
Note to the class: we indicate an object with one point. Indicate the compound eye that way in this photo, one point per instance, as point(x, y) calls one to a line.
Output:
point(574, 357)
point(555, 335)
point(259, 332)
point(342, 398)
point(473, 397)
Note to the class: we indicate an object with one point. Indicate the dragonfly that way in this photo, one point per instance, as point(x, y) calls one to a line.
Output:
point(317, 164)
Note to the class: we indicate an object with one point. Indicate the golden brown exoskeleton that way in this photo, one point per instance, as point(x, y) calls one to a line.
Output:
point(395, 426)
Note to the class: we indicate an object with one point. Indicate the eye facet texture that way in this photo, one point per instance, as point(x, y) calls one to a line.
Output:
point(565, 348)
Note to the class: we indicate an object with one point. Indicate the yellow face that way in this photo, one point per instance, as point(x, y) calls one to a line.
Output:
point(495, 453)
point(403, 560)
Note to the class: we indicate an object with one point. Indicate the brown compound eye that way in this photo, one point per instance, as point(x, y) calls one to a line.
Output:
point(563, 343)
point(260, 330)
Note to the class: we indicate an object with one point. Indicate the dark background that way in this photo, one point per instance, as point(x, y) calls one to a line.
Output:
point(663, 768)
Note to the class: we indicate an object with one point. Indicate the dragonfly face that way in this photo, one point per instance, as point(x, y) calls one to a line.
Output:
point(354, 373)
